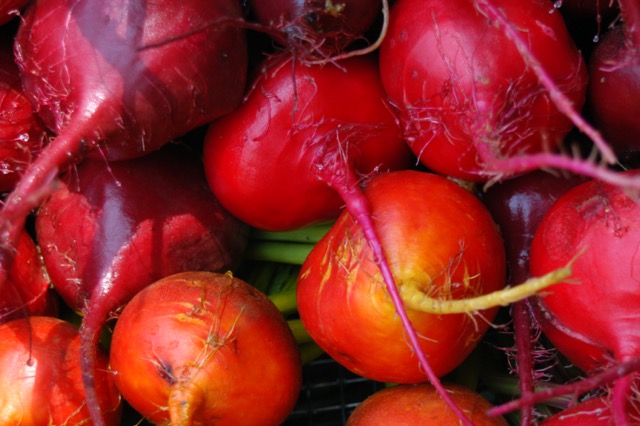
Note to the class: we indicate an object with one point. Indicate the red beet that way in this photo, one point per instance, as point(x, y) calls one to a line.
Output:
point(42, 378)
point(592, 319)
point(22, 133)
point(614, 92)
point(118, 79)
point(280, 161)
point(112, 229)
point(27, 290)
point(467, 96)
point(592, 412)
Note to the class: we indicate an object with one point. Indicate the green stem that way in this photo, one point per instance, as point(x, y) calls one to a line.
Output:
point(285, 301)
point(279, 252)
point(299, 332)
point(260, 275)
point(285, 273)
point(309, 352)
point(308, 235)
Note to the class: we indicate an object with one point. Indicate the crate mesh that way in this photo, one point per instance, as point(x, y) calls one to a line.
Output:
point(329, 394)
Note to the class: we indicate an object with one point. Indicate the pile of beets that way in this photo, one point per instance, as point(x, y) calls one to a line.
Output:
point(200, 197)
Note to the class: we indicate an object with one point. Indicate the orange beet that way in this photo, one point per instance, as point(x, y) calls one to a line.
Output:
point(202, 348)
point(421, 405)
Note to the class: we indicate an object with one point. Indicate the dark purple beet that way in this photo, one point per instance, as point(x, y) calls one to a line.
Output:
point(112, 229)
point(326, 26)
point(118, 79)
point(518, 206)
point(614, 93)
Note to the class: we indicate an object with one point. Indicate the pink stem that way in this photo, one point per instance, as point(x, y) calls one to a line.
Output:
point(36, 183)
point(524, 359)
point(621, 392)
point(530, 162)
point(89, 335)
point(557, 96)
point(358, 206)
point(609, 375)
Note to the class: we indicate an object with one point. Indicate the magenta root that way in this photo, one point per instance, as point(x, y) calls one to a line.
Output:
point(523, 338)
point(610, 375)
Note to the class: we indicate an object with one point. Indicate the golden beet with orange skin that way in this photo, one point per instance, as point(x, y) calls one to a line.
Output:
point(202, 348)
point(435, 234)
point(420, 404)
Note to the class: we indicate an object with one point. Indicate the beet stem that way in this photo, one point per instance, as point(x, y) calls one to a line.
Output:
point(621, 392)
point(530, 162)
point(310, 235)
point(524, 360)
point(589, 383)
point(417, 300)
point(34, 186)
point(90, 328)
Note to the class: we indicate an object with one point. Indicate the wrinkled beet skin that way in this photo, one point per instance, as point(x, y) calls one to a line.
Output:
point(482, 91)
point(52, 393)
point(212, 331)
point(263, 165)
point(116, 228)
point(614, 93)
point(115, 71)
point(593, 319)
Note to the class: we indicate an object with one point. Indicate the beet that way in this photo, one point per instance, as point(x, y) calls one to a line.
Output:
point(22, 132)
point(112, 229)
point(41, 377)
point(312, 26)
point(27, 290)
point(204, 348)
point(592, 318)
point(305, 132)
point(518, 206)
point(468, 98)
point(614, 93)
point(117, 80)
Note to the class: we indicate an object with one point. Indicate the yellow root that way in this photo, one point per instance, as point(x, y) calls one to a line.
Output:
point(416, 299)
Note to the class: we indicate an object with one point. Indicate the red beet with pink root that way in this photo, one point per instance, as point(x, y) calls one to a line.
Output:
point(592, 318)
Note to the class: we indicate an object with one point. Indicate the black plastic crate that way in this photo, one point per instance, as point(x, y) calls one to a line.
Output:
point(329, 394)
